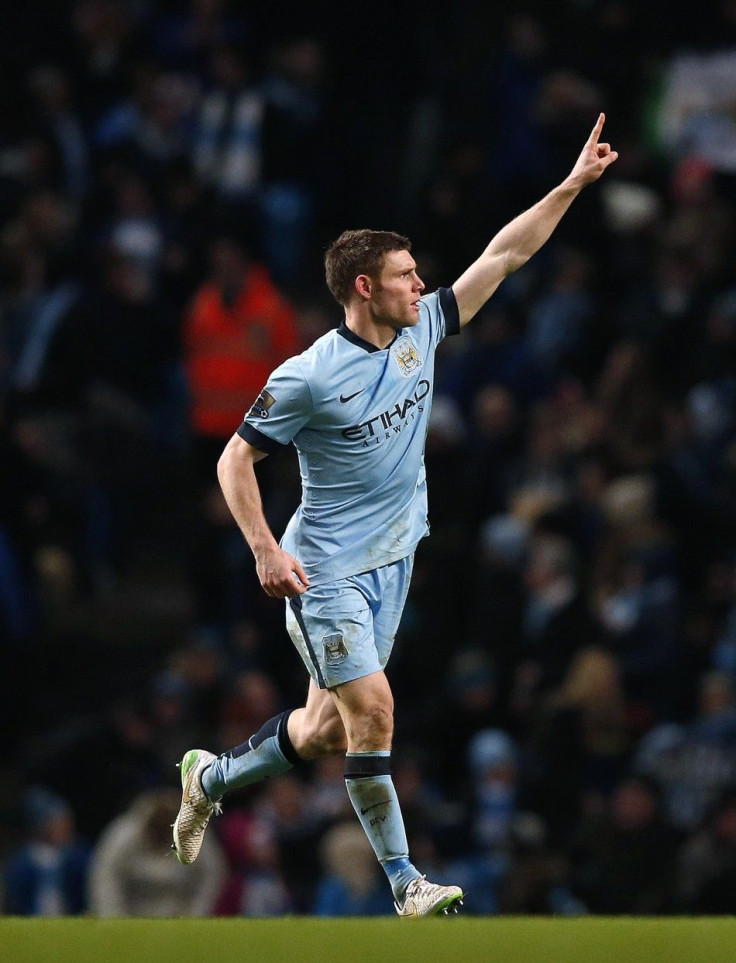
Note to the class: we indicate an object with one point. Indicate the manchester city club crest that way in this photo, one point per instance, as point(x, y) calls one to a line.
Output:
point(335, 649)
point(407, 357)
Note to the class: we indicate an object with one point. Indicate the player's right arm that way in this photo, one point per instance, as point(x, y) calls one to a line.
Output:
point(524, 236)
point(279, 573)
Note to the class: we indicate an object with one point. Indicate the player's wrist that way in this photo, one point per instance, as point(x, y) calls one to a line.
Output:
point(572, 185)
point(262, 546)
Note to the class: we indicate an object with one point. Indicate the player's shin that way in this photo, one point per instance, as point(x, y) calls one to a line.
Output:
point(267, 753)
point(372, 793)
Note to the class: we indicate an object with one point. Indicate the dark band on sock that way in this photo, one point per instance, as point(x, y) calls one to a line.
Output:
point(364, 765)
point(285, 743)
point(239, 750)
point(274, 727)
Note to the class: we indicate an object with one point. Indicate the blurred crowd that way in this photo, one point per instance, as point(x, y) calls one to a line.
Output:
point(565, 672)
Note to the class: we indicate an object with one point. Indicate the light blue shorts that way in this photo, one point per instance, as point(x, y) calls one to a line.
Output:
point(346, 629)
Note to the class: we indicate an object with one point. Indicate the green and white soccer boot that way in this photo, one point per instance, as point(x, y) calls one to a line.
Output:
point(196, 807)
point(423, 898)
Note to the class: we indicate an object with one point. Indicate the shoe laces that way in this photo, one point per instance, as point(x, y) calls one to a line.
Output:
point(413, 886)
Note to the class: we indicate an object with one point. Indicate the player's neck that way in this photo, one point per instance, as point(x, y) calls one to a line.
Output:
point(378, 333)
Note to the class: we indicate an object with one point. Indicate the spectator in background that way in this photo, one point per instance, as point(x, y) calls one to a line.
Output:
point(105, 43)
point(579, 744)
point(238, 328)
point(47, 875)
point(185, 227)
point(255, 885)
point(328, 787)
point(696, 119)
point(292, 134)
point(22, 497)
point(706, 871)
point(250, 700)
point(119, 340)
point(186, 38)
point(538, 878)
point(223, 586)
point(493, 764)
point(495, 452)
point(493, 768)
point(38, 252)
point(61, 126)
point(151, 127)
point(132, 872)
point(288, 807)
point(227, 148)
point(110, 370)
point(724, 652)
point(351, 884)
point(557, 321)
point(469, 702)
point(134, 229)
point(639, 614)
point(123, 736)
point(631, 403)
point(623, 858)
point(556, 622)
point(694, 763)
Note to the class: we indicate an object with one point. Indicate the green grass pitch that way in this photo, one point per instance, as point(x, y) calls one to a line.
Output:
point(304, 940)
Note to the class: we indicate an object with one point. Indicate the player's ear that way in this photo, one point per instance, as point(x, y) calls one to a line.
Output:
point(364, 286)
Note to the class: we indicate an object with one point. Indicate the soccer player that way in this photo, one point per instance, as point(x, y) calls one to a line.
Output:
point(356, 407)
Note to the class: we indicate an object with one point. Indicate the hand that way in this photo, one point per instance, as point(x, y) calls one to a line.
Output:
point(594, 158)
point(280, 574)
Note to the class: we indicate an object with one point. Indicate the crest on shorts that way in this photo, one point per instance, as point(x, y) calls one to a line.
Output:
point(335, 649)
point(262, 403)
point(406, 355)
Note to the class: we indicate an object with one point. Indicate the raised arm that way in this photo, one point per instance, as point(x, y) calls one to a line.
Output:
point(518, 240)
point(280, 574)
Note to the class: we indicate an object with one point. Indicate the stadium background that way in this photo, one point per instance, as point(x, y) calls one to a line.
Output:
point(564, 675)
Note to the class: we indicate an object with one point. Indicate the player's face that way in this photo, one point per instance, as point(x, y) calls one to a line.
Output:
point(395, 299)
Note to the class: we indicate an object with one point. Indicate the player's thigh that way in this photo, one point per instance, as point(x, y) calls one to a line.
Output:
point(332, 628)
point(392, 589)
point(366, 708)
point(365, 695)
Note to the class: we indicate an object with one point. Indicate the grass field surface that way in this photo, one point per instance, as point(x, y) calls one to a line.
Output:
point(304, 940)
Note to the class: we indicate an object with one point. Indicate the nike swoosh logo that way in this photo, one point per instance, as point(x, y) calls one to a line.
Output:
point(383, 802)
point(344, 398)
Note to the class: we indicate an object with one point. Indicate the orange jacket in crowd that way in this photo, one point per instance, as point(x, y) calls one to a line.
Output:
point(230, 352)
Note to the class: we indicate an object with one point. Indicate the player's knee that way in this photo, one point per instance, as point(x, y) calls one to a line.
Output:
point(376, 720)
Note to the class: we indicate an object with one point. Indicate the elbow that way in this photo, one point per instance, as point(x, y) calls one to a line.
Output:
point(222, 467)
point(237, 457)
point(515, 260)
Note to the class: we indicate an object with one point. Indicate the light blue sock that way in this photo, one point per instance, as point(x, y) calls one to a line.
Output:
point(372, 793)
point(266, 753)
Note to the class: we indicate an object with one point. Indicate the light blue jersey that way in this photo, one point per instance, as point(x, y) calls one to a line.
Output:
point(358, 417)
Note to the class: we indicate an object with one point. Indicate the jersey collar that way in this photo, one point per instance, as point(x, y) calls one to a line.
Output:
point(356, 339)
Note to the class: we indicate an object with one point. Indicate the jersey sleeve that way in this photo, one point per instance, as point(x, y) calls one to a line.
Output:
point(280, 411)
point(444, 315)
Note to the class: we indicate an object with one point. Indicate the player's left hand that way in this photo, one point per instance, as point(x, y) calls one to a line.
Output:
point(594, 158)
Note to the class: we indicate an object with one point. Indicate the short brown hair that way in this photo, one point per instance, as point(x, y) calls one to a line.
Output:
point(359, 252)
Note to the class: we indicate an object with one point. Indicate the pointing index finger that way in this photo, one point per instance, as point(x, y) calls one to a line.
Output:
point(596, 132)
